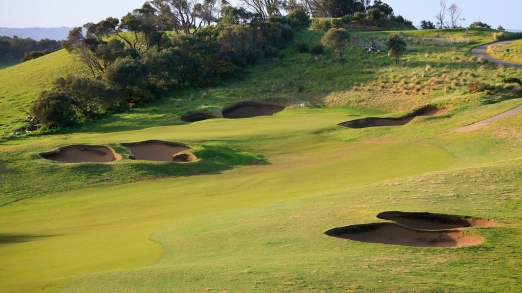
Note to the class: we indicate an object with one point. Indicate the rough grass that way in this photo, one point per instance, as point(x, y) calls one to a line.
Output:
point(511, 52)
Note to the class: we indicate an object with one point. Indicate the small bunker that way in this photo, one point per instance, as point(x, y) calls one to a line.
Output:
point(250, 109)
point(375, 122)
point(82, 154)
point(155, 150)
point(430, 221)
point(197, 116)
point(390, 233)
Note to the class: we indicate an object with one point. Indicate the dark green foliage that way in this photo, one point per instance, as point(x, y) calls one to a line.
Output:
point(386, 9)
point(512, 80)
point(34, 54)
point(316, 49)
point(339, 8)
point(126, 73)
point(374, 13)
point(302, 47)
point(396, 46)
point(53, 109)
point(337, 22)
point(346, 18)
point(425, 25)
point(336, 39)
point(17, 48)
point(89, 96)
point(300, 16)
point(359, 16)
point(479, 24)
point(320, 24)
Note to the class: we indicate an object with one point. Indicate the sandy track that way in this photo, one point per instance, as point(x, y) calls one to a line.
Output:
point(484, 123)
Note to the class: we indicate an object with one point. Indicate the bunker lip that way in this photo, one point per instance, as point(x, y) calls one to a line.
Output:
point(197, 116)
point(250, 109)
point(391, 233)
point(156, 150)
point(82, 154)
point(375, 121)
point(431, 221)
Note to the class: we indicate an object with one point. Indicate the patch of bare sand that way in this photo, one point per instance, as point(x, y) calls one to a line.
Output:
point(82, 154)
point(154, 150)
point(430, 221)
point(389, 233)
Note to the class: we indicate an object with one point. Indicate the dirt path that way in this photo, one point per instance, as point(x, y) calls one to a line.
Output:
point(483, 123)
point(481, 51)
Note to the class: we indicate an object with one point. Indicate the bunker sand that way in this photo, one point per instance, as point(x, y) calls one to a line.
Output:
point(430, 221)
point(82, 154)
point(155, 150)
point(250, 109)
point(376, 122)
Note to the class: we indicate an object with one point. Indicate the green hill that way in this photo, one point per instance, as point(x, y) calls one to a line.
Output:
point(250, 213)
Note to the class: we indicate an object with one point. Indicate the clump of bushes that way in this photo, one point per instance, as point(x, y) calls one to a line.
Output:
point(499, 36)
point(482, 60)
point(478, 86)
point(512, 80)
point(321, 24)
point(34, 54)
point(316, 49)
point(303, 47)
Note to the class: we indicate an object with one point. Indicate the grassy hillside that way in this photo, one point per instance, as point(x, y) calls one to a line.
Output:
point(250, 214)
point(22, 83)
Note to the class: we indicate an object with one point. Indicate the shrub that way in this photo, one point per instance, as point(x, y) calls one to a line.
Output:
point(316, 49)
point(337, 22)
point(374, 13)
point(53, 109)
point(346, 18)
point(512, 80)
point(478, 86)
point(482, 60)
point(320, 24)
point(302, 47)
point(498, 36)
point(359, 16)
point(301, 16)
point(34, 54)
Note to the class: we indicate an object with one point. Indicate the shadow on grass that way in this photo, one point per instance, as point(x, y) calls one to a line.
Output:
point(8, 238)
point(211, 160)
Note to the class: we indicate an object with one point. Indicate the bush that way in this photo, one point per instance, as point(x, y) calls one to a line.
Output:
point(346, 19)
point(359, 16)
point(337, 22)
point(498, 36)
point(512, 80)
point(301, 16)
point(478, 86)
point(482, 60)
point(320, 24)
point(374, 13)
point(53, 109)
point(316, 49)
point(303, 47)
point(34, 54)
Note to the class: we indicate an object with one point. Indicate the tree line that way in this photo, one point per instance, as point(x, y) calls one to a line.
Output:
point(168, 44)
point(17, 48)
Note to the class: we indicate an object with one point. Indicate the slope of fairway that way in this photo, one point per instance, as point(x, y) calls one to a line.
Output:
point(281, 247)
point(22, 83)
point(91, 230)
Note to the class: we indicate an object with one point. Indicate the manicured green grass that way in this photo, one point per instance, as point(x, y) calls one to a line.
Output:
point(250, 215)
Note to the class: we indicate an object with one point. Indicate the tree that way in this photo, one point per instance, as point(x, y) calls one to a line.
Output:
point(336, 39)
point(182, 16)
point(300, 15)
point(386, 9)
point(396, 46)
point(264, 8)
point(501, 29)
point(53, 109)
point(441, 16)
point(89, 97)
point(426, 25)
point(374, 13)
point(479, 24)
point(454, 15)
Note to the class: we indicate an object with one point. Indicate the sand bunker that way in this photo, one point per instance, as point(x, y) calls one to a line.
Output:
point(389, 233)
point(250, 109)
point(197, 116)
point(155, 150)
point(375, 122)
point(429, 221)
point(82, 154)
point(484, 123)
